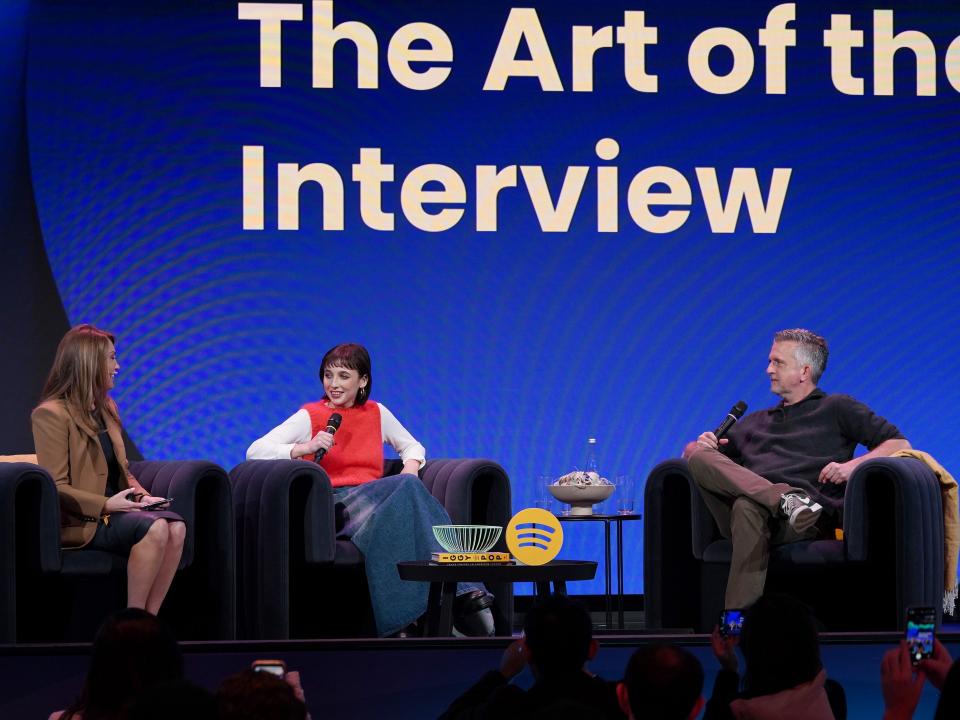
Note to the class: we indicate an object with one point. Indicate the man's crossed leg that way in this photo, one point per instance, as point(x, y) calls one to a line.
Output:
point(753, 514)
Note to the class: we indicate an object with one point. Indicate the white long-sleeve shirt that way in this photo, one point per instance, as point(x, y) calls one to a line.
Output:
point(278, 443)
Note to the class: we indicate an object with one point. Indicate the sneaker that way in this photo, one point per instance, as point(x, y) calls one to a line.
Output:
point(800, 511)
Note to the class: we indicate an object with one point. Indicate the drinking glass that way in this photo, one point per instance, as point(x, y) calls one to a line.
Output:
point(625, 494)
point(543, 497)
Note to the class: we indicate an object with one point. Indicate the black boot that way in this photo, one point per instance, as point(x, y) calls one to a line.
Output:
point(472, 616)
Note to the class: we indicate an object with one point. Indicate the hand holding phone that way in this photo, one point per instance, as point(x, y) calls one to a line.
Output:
point(900, 682)
point(724, 649)
point(158, 504)
point(937, 667)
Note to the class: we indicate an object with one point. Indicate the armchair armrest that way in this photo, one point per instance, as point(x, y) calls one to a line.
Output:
point(472, 490)
point(476, 491)
point(203, 599)
point(265, 492)
point(29, 533)
point(284, 511)
point(676, 528)
point(893, 507)
point(199, 489)
point(666, 497)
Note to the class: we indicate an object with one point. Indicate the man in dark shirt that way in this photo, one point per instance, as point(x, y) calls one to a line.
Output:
point(780, 474)
point(558, 641)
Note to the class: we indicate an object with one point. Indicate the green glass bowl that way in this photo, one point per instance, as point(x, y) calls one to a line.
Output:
point(467, 538)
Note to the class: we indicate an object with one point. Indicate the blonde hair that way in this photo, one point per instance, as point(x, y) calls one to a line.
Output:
point(80, 376)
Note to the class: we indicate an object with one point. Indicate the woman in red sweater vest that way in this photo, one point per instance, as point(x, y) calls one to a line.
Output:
point(389, 519)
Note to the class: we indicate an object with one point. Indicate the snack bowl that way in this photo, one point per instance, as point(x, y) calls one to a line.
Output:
point(581, 498)
point(467, 538)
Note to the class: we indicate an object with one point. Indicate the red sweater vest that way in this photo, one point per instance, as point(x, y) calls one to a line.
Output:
point(357, 453)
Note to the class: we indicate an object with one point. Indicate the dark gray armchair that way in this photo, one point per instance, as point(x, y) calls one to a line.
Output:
point(297, 580)
point(53, 595)
point(890, 558)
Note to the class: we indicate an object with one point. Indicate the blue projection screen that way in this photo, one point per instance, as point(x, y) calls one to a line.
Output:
point(547, 221)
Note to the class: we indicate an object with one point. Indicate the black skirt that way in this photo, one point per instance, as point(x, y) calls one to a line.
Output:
point(126, 529)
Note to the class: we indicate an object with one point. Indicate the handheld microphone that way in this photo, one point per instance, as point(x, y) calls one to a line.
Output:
point(736, 412)
point(333, 424)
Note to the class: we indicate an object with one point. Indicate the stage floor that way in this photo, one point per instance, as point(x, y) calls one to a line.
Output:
point(411, 678)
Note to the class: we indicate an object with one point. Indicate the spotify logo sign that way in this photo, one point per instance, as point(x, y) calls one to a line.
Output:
point(534, 536)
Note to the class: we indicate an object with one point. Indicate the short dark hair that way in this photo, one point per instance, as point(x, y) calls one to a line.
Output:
point(252, 695)
point(354, 357)
point(780, 644)
point(558, 633)
point(664, 682)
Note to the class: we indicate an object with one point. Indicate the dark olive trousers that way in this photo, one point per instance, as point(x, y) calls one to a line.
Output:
point(746, 507)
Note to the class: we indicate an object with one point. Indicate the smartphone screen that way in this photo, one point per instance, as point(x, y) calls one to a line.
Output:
point(731, 620)
point(921, 624)
point(274, 667)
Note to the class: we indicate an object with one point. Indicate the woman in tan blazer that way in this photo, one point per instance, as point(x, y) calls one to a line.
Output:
point(77, 434)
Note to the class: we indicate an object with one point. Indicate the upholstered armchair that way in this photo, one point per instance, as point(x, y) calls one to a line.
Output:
point(296, 579)
point(52, 595)
point(891, 556)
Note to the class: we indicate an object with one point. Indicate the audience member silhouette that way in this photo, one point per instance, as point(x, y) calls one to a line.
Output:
point(949, 705)
point(252, 695)
point(558, 641)
point(662, 682)
point(133, 653)
point(783, 677)
point(179, 700)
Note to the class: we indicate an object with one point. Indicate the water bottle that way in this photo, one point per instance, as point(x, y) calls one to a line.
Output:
point(590, 465)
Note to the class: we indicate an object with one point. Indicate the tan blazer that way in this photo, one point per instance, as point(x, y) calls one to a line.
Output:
point(73, 456)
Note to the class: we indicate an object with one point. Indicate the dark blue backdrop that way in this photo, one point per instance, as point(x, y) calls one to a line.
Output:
point(516, 344)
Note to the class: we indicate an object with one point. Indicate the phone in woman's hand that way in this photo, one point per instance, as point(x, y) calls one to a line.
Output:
point(157, 504)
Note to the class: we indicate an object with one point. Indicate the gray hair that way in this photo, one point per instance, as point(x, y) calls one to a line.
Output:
point(811, 349)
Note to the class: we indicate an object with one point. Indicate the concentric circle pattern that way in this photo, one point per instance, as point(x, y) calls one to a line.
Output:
point(515, 344)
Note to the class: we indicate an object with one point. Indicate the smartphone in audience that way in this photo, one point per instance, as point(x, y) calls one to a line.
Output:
point(921, 631)
point(731, 620)
point(274, 667)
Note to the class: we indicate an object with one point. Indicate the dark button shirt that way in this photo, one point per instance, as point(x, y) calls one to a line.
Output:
point(792, 443)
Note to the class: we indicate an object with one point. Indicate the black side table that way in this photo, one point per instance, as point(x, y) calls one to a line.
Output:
point(443, 579)
point(606, 520)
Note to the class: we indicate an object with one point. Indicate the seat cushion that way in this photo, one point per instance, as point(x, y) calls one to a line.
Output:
point(806, 552)
point(92, 562)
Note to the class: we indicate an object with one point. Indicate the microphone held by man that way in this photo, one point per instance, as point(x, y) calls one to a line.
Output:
point(715, 439)
point(736, 412)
